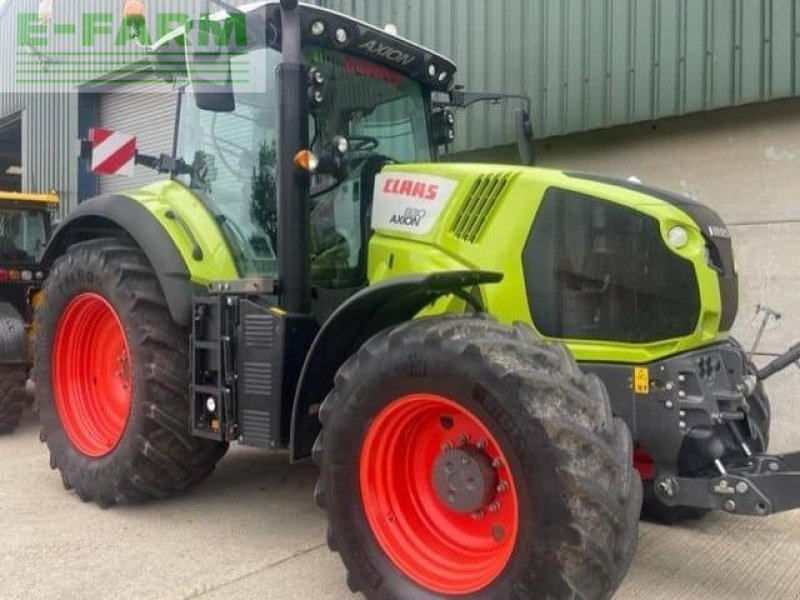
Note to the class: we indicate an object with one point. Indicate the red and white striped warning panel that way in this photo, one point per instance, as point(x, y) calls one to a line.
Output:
point(113, 153)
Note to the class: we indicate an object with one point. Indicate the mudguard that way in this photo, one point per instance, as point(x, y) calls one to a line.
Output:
point(106, 216)
point(368, 312)
point(13, 339)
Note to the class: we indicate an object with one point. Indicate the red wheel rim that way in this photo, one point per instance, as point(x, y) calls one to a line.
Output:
point(440, 549)
point(91, 375)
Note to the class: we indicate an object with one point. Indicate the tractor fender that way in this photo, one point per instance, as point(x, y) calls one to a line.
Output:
point(13, 339)
point(363, 315)
point(108, 216)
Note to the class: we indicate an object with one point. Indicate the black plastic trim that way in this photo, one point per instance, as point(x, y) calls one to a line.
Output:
point(365, 314)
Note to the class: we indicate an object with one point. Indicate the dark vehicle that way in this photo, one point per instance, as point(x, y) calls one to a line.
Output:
point(24, 231)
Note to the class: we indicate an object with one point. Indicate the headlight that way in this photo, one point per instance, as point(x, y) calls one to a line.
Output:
point(341, 144)
point(341, 36)
point(317, 28)
point(677, 237)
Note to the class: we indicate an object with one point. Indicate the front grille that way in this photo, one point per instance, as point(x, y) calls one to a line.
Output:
point(721, 254)
point(483, 197)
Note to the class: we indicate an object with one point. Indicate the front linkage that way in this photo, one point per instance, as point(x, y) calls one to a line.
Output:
point(758, 484)
point(702, 421)
point(762, 485)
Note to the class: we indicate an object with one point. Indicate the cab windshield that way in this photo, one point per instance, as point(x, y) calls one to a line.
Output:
point(384, 116)
point(233, 157)
point(23, 234)
point(379, 110)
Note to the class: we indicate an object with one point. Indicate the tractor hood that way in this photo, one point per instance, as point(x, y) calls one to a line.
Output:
point(609, 245)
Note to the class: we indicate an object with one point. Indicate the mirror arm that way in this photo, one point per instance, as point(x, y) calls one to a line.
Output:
point(462, 99)
point(164, 163)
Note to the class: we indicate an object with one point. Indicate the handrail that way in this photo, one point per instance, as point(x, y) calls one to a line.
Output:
point(51, 198)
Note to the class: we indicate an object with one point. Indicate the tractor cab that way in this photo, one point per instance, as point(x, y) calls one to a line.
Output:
point(369, 99)
point(364, 116)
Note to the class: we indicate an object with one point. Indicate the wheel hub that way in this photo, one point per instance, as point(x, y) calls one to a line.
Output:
point(464, 479)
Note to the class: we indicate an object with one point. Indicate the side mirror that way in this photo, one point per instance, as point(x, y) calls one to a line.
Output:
point(212, 82)
point(525, 141)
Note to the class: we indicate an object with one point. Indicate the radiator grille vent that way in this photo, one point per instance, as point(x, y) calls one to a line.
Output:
point(257, 378)
point(259, 330)
point(479, 205)
point(257, 426)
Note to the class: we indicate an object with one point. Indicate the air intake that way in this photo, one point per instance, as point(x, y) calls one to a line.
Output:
point(479, 206)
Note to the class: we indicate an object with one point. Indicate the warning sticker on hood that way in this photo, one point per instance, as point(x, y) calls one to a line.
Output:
point(409, 202)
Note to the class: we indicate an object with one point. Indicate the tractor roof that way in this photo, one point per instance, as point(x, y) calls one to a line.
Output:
point(367, 41)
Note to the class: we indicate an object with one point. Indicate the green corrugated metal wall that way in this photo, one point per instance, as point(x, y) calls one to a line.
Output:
point(597, 63)
point(586, 63)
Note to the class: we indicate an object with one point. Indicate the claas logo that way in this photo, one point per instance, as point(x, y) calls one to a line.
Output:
point(410, 188)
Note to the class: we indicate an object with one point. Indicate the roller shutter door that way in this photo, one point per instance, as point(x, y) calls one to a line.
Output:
point(148, 111)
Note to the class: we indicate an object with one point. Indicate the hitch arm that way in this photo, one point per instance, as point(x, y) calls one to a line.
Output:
point(779, 364)
point(764, 485)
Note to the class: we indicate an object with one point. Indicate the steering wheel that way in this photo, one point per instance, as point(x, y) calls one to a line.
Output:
point(363, 143)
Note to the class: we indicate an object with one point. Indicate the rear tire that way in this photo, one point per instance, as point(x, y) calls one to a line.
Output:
point(123, 437)
point(547, 432)
point(13, 398)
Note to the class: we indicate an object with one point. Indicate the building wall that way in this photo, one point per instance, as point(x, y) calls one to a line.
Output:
point(591, 64)
point(50, 121)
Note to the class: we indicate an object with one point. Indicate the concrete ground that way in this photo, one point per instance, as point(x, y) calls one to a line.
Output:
point(253, 532)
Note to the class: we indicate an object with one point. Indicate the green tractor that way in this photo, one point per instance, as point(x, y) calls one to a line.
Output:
point(311, 278)
point(24, 231)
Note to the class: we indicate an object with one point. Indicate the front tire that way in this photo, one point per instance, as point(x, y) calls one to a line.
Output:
point(112, 376)
point(461, 457)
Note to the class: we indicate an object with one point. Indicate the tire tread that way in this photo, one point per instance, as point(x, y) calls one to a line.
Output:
point(166, 458)
point(602, 492)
